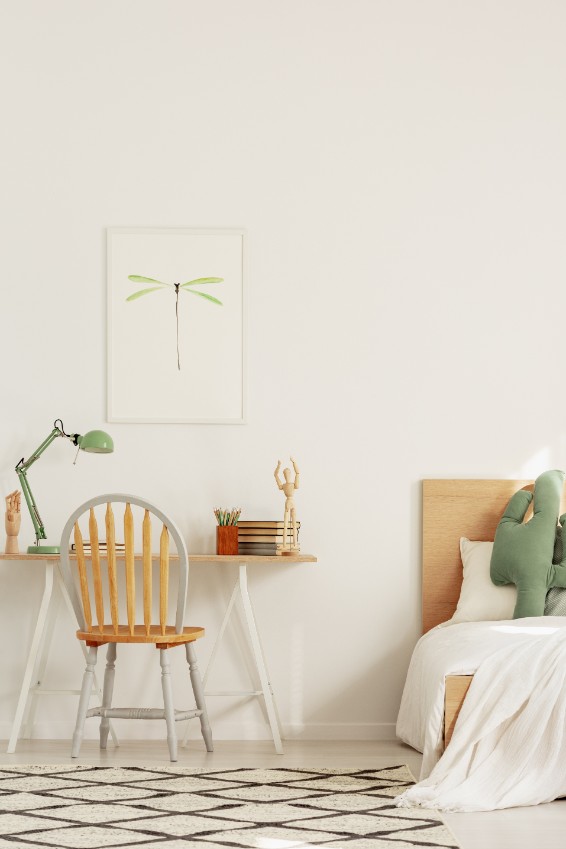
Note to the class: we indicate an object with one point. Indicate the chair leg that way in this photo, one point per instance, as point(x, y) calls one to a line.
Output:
point(107, 692)
point(84, 700)
point(168, 703)
point(199, 696)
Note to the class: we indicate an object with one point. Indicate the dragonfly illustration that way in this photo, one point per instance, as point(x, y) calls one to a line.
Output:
point(159, 285)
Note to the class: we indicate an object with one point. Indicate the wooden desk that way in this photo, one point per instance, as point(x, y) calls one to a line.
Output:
point(39, 649)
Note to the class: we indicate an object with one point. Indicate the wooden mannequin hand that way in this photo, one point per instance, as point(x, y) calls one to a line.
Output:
point(12, 524)
point(13, 501)
point(13, 515)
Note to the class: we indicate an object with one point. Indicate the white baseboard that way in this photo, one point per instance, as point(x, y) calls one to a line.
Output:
point(341, 731)
point(155, 730)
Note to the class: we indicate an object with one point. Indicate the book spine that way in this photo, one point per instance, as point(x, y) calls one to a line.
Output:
point(263, 525)
point(260, 538)
point(270, 552)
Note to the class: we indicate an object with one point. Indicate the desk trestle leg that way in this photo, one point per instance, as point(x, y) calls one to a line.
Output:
point(260, 660)
point(241, 590)
point(38, 655)
point(32, 656)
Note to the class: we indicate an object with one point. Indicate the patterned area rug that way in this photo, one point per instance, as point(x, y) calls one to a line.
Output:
point(85, 807)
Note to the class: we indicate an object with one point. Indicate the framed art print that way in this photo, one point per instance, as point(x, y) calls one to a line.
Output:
point(176, 347)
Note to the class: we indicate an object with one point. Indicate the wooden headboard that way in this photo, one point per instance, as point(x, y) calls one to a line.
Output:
point(454, 509)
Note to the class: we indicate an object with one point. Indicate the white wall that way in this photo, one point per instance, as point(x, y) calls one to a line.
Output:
point(400, 169)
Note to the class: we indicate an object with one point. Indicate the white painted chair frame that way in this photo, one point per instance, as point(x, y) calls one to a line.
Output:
point(87, 628)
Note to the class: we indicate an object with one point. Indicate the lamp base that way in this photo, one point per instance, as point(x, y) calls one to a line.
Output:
point(44, 549)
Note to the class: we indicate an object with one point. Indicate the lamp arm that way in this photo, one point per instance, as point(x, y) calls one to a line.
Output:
point(24, 465)
point(32, 507)
point(21, 471)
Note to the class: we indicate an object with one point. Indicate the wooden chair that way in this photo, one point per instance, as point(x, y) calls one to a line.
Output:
point(89, 577)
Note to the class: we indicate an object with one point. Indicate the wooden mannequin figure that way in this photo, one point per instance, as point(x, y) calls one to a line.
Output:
point(13, 521)
point(288, 488)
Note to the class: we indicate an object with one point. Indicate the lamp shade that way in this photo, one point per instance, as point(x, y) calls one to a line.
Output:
point(96, 442)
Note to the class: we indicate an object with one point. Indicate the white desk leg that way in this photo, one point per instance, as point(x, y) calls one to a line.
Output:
point(225, 620)
point(32, 656)
point(241, 589)
point(259, 659)
point(85, 651)
point(43, 654)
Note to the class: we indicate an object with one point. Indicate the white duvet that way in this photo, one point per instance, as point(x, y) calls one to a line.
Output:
point(509, 743)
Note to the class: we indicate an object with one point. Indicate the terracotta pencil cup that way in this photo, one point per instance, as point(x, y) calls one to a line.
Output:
point(226, 539)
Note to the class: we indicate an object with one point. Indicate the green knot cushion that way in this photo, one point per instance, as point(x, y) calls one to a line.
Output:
point(523, 553)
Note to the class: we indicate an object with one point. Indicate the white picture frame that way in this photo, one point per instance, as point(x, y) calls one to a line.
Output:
point(176, 325)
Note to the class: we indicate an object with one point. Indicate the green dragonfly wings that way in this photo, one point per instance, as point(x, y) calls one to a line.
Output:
point(156, 285)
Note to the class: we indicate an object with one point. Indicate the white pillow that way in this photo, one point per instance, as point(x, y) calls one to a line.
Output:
point(480, 600)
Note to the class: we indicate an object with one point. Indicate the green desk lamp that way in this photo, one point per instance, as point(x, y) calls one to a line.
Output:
point(95, 441)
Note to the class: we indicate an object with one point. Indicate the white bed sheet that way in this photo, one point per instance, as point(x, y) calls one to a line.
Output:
point(454, 650)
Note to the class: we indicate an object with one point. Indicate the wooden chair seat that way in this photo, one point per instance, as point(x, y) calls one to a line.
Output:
point(94, 583)
point(156, 635)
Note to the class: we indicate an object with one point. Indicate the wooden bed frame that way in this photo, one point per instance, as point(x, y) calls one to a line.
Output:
point(454, 509)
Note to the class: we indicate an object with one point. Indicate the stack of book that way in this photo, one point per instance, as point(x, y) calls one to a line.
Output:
point(120, 548)
point(262, 537)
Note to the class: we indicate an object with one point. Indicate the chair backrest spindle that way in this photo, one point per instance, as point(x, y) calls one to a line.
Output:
point(130, 567)
point(82, 576)
point(111, 553)
point(147, 572)
point(163, 577)
point(96, 577)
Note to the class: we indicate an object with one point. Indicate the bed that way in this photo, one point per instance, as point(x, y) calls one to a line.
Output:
point(454, 509)
point(449, 657)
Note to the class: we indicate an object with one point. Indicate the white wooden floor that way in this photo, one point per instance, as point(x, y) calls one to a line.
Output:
point(542, 826)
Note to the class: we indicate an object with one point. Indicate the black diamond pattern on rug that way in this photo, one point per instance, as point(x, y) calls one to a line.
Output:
point(84, 807)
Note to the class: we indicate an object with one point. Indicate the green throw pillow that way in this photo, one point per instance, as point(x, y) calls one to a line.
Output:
point(523, 553)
